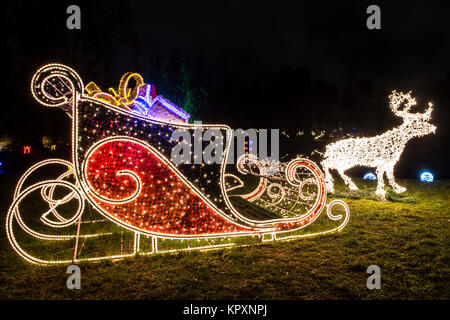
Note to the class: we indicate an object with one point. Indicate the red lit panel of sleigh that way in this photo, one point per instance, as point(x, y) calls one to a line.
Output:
point(121, 194)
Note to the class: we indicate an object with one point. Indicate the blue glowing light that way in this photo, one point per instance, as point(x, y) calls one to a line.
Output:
point(172, 107)
point(144, 102)
point(426, 176)
point(370, 176)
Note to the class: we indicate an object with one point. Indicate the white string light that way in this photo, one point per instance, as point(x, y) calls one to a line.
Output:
point(381, 152)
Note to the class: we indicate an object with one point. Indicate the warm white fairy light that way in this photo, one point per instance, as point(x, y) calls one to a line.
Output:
point(381, 152)
point(282, 191)
point(69, 94)
point(237, 182)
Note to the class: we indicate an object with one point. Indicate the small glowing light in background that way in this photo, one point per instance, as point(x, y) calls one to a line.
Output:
point(370, 176)
point(426, 176)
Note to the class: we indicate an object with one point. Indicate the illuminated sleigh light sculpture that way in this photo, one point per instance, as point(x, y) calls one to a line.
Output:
point(120, 166)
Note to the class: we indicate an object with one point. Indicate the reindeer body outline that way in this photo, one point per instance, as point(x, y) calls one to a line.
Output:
point(381, 152)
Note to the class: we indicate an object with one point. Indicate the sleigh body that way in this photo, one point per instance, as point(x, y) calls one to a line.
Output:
point(121, 164)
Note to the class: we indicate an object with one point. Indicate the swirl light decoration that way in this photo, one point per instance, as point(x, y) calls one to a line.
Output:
point(121, 167)
point(381, 152)
point(290, 191)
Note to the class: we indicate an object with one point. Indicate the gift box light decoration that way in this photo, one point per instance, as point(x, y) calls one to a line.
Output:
point(120, 166)
point(140, 99)
point(381, 152)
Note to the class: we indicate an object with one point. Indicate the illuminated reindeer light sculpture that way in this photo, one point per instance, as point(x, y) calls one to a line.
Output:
point(381, 152)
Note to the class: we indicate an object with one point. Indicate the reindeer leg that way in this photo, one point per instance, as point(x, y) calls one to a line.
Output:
point(328, 178)
point(390, 175)
point(380, 186)
point(347, 180)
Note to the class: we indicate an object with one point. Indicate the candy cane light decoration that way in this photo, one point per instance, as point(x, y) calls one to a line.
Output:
point(381, 152)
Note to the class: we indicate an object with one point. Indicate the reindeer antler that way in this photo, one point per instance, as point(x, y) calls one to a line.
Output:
point(397, 99)
point(427, 113)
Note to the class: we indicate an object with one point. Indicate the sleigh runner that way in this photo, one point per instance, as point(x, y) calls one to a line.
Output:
point(121, 167)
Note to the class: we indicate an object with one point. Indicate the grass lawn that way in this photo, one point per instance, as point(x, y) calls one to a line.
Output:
point(409, 241)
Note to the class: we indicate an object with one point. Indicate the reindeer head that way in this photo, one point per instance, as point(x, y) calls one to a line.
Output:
point(417, 124)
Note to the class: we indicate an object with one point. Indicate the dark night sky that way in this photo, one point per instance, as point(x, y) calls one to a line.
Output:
point(244, 40)
point(329, 36)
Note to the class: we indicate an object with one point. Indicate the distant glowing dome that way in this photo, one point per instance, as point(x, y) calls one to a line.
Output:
point(426, 176)
point(370, 176)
